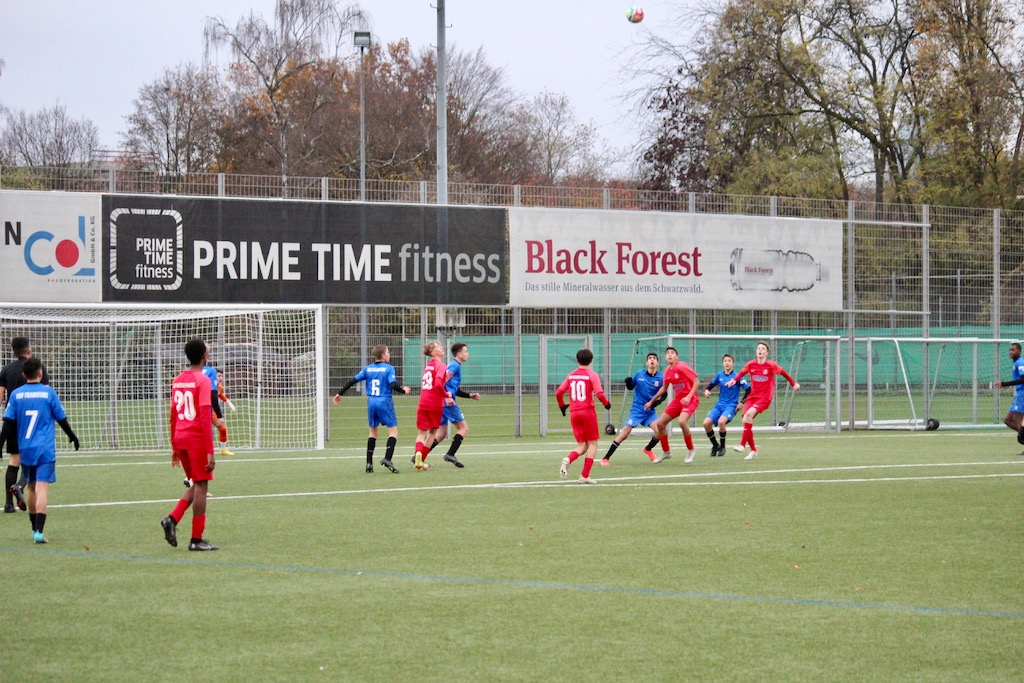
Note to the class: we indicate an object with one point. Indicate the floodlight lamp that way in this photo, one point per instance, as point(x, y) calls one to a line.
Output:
point(361, 38)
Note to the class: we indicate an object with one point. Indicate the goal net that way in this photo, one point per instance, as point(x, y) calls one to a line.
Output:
point(811, 360)
point(112, 368)
point(910, 381)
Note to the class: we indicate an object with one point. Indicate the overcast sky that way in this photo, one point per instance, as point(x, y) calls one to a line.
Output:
point(94, 56)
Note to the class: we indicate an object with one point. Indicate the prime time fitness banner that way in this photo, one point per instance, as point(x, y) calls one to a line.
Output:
point(641, 259)
point(216, 250)
point(51, 247)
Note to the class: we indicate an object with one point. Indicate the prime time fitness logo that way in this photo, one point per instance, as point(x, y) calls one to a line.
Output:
point(146, 249)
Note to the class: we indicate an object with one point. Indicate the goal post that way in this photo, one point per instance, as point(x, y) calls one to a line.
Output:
point(112, 367)
point(911, 381)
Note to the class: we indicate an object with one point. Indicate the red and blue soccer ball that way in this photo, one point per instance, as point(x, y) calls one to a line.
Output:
point(635, 14)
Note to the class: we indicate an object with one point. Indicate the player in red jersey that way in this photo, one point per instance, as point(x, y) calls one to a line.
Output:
point(581, 384)
point(683, 380)
point(762, 389)
point(192, 444)
point(433, 398)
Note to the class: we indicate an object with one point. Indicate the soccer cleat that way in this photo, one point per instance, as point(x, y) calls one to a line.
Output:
point(689, 456)
point(202, 544)
point(38, 537)
point(10, 508)
point(665, 455)
point(19, 499)
point(453, 460)
point(721, 451)
point(387, 463)
point(649, 453)
point(187, 482)
point(563, 471)
point(739, 448)
point(751, 455)
point(225, 451)
point(369, 468)
point(714, 452)
point(587, 480)
point(170, 530)
point(605, 462)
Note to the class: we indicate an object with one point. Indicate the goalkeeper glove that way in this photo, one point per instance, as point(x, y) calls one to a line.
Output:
point(73, 438)
point(229, 404)
point(563, 408)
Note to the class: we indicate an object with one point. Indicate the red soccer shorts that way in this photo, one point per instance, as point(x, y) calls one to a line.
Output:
point(584, 425)
point(194, 458)
point(676, 407)
point(428, 418)
point(761, 404)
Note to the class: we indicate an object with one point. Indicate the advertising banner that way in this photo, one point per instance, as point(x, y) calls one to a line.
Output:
point(639, 259)
point(214, 250)
point(51, 247)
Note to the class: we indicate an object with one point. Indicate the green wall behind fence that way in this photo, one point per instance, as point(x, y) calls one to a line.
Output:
point(492, 357)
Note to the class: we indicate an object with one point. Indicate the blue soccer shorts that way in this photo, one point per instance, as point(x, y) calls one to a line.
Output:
point(46, 471)
point(381, 413)
point(639, 416)
point(729, 411)
point(453, 414)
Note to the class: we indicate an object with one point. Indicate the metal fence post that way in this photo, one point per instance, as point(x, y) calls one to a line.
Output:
point(851, 308)
point(517, 368)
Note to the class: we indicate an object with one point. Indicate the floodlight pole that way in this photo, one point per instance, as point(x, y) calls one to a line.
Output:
point(362, 41)
point(442, 109)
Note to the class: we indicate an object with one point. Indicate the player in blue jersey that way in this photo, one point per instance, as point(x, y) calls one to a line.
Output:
point(453, 414)
point(10, 379)
point(644, 384)
point(1015, 416)
point(32, 410)
point(381, 382)
point(728, 401)
point(218, 412)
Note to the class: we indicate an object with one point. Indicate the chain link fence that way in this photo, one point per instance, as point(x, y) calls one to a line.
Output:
point(913, 272)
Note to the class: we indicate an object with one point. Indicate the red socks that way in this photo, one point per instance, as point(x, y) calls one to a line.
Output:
point(748, 436)
point(572, 457)
point(688, 438)
point(587, 464)
point(179, 510)
point(664, 443)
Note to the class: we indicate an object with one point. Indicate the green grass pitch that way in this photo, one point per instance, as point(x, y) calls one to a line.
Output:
point(866, 556)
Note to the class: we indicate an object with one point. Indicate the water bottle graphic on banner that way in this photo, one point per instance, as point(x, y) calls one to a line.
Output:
point(773, 270)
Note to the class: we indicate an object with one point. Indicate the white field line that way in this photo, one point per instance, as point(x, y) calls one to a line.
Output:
point(681, 479)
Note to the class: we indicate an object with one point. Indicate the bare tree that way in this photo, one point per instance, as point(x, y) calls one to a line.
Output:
point(48, 137)
point(479, 103)
point(562, 149)
point(174, 125)
point(271, 56)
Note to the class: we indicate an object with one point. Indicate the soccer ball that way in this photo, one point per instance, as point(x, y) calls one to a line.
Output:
point(635, 14)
